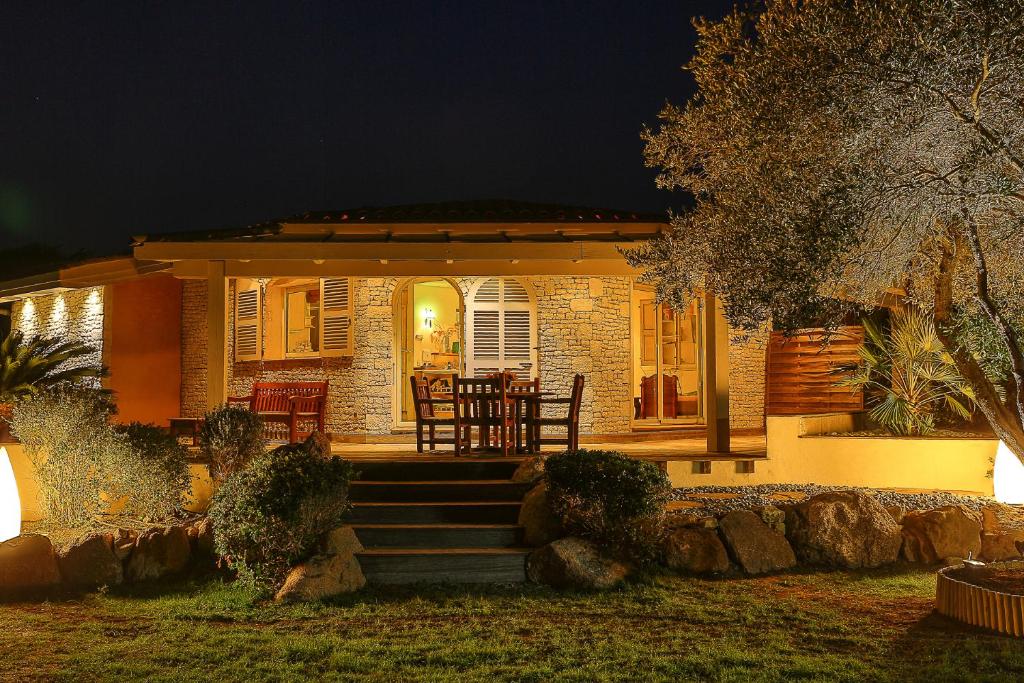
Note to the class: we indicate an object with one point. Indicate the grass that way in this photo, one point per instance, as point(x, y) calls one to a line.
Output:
point(843, 626)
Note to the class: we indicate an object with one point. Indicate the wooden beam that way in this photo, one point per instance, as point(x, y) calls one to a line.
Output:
point(716, 375)
point(216, 336)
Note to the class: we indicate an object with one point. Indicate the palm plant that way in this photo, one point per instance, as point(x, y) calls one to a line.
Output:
point(907, 375)
point(29, 366)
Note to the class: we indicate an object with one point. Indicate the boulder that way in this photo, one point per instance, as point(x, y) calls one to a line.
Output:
point(1002, 533)
point(158, 552)
point(27, 562)
point(696, 550)
point(951, 531)
point(334, 570)
point(772, 516)
point(540, 525)
point(529, 470)
point(846, 529)
point(124, 541)
point(574, 563)
point(200, 536)
point(90, 562)
point(756, 547)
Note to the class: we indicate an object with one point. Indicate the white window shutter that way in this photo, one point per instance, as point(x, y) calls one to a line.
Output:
point(502, 329)
point(248, 320)
point(336, 314)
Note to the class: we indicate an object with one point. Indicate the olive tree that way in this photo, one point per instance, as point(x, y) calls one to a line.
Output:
point(839, 151)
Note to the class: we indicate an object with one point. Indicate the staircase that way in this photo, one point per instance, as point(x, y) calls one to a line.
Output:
point(438, 521)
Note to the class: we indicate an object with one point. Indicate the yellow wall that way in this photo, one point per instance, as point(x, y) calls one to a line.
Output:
point(443, 300)
point(799, 453)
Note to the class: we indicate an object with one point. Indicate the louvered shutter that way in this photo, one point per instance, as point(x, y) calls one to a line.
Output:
point(336, 317)
point(248, 320)
point(503, 329)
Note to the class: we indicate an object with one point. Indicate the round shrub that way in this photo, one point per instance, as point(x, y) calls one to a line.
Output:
point(610, 498)
point(271, 514)
point(157, 476)
point(231, 436)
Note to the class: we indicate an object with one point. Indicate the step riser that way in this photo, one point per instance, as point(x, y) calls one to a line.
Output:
point(404, 537)
point(431, 493)
point(434, 514)
point(431, 471)
point(443, 569)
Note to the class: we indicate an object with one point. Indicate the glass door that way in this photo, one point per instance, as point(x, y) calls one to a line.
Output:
point(667, 371)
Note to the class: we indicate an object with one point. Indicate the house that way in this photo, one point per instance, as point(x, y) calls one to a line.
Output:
point(364, 298)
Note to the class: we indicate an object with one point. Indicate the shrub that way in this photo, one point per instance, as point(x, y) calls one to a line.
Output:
point(231, 436)
point(612, 499)
point(271, 514)
point(156, 476)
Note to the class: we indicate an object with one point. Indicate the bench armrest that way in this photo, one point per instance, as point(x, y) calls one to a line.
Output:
point(240, 399)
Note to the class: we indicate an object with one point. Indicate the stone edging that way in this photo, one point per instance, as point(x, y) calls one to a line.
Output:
point(978, 606)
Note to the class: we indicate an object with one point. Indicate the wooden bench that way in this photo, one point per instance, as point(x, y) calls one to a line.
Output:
point(288, 403)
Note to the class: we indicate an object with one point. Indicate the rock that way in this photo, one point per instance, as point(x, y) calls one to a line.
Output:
point(158, 552)
point(200, 536)
point(529, 470)
point(90, 562)
point(124, 541)
point(772, 516)
point(27, 562)
point(574, 563)
point(333, 571)
point(1002, 535)
point(696, 550)
point(679, 520)
point(949, 531)
point(540, 525)
point(843, 529)
point(753, 544)
point(897, 512)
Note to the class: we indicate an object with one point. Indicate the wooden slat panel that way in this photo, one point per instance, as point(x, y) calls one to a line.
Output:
point(799, 377)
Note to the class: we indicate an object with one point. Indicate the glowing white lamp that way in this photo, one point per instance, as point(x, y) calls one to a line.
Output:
point(1008, 476)
point(10, 503)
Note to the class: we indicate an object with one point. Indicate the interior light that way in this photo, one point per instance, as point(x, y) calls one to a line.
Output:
point(1008, 477)
point(10, 503)
point(428, 317)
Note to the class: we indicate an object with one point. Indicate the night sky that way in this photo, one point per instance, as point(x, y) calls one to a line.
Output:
point(138, 117)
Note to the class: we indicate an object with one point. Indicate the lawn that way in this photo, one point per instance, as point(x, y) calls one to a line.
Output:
point(839, 626)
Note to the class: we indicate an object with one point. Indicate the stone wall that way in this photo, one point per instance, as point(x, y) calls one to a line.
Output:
point(746, 380)
point(193, 348)
point(75, 314)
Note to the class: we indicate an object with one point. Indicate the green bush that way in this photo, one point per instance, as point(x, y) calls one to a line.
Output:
point(231, 436)
point(614, 500)
point(271, 514)
point(157, 476)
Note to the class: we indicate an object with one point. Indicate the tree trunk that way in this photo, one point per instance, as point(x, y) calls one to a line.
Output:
point(1006, 423)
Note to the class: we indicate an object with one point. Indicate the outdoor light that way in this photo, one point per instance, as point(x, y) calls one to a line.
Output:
point(428, 317)
point(1008, 477)
point(10, 503)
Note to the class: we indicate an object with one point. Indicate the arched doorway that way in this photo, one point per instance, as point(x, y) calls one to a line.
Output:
point(429, 318)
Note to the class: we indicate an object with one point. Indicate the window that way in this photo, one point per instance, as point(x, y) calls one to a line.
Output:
point(293, 318)
point(502, 329)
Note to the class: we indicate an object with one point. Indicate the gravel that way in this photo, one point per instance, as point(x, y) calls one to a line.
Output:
point(759, 495)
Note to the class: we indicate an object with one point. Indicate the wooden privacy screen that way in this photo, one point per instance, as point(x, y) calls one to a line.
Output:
point(799, 378)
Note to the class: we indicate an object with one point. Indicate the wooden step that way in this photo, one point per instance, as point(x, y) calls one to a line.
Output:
point(483, 490)
point(505, 512)
point(427, 470)
point(439, 535)
point(447, 565)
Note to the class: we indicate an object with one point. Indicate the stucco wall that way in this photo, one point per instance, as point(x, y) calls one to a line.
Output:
point(75, 314)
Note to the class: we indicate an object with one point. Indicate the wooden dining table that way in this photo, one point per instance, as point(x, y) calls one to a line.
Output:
point(486, 403)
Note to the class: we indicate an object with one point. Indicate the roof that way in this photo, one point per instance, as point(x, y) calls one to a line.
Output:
point(477, 221)
point(84, 273)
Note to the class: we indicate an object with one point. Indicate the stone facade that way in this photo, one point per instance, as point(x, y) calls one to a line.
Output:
point(746, 381)
point(75, 314)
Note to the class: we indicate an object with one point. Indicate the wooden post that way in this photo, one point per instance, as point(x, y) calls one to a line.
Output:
point(216, 335)
point(716, 375)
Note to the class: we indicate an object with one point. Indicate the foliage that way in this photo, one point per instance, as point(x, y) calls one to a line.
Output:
point(907, 375)
point(610, 498)
point(231, 436)
point(859, 147)
point(155, 477)
point(83, 463)
point(272, 513)
point(29, 366)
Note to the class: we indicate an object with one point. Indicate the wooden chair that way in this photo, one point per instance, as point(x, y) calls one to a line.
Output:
point(669, 393)
point(487, 407)
point(525, 409)
point(288, 403)
point(570, 420)
point(426, 417)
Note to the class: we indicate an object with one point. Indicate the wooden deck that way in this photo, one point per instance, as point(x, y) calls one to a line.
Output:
point(744, 447)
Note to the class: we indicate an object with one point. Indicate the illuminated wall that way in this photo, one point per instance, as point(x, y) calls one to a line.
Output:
point(74, 314)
